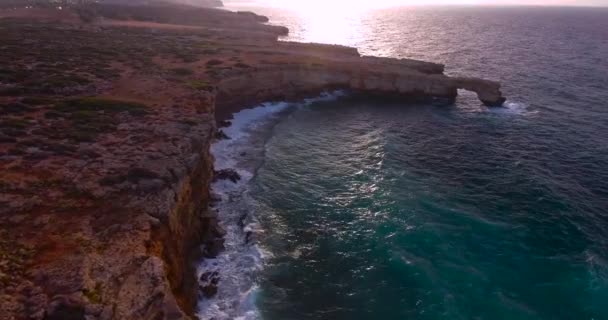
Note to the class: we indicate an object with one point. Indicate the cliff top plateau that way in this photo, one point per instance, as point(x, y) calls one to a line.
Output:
point(107, 113)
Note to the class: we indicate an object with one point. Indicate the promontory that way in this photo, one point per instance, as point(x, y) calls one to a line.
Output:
point(107, 113)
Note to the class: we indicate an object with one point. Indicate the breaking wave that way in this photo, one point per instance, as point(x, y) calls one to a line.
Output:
point(237, 265)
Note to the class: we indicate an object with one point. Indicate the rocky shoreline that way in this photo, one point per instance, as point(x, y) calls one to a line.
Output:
point(105, 152)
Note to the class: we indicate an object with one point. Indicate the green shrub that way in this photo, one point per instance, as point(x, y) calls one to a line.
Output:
point(214, 62)
point(242, 65)
point(182, 72)
point(94, 295)
point(14, 123)
point(200, 85)
point(91, 116)
point(36, 101)
point(92, 105)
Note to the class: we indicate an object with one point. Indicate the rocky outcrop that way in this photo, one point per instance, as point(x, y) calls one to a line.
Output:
point(194, 3)
point(226, 174)
point(406, 78)
point(104, 201)
point(404, 64)
point(211, 18)
point(487, 91)
point(202, 3)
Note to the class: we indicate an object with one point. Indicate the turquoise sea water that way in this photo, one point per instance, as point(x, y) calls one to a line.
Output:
point(370, 209)
point(379, 211)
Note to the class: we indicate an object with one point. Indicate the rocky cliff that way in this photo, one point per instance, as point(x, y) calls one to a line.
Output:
point(292, 82)
point(104, 154)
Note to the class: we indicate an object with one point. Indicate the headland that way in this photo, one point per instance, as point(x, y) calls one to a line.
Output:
point(108, 112)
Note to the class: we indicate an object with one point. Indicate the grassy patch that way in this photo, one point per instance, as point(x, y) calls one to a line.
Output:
point(6, 139)
point(200, 85)
point(182, 72)
point(91, 116)
point(36, 101)
point(13, 259)
point(59, 148)
point(55, 83)
point(14, 123)
point(187, 58)
point(5, 186)
point(134, 176)
point(214, 62)
point(189, 122)
point(7, 75)
point(242, 65)
point(16, 151)
point(94, 295)
point(45, 183)
point(211, 51)
point(15, 108)
point(91, 106)
point(34, 142)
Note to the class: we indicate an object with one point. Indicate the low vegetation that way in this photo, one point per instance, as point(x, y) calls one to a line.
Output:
point(214, 62)
point(88, 117)
point(94, 295)
point(200, 85)
point(182, 72)
point(13, 259)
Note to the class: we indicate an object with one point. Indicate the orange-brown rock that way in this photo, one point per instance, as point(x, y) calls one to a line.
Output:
point(105, 131)
point(397, 77)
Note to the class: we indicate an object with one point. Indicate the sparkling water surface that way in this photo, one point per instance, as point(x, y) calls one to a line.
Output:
point(368, 209)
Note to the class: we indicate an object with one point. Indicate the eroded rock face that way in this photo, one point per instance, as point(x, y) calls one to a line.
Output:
point(487, 91)
point(226, 174)
point(208, 283)
point(111, 227)
point(313, 68)
point(292, 82)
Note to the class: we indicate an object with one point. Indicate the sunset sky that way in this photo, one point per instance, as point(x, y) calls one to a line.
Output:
point(387, 3)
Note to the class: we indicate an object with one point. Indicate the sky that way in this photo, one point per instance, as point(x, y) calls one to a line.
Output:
point(388, 3)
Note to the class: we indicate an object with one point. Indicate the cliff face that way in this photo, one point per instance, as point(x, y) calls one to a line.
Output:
point(105, 161)
point(401, 78)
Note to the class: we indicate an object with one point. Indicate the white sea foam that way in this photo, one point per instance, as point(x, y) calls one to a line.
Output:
point(469, 102)
point(513, 107)
point(242, 258)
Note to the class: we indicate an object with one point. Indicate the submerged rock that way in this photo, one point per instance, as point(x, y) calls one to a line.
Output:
point(218, 231)
point(208, 283)
point(213, 247)
point(249, 237)
point(226, 174)
point(224, 123)
point(214, 199)
point(220, 135)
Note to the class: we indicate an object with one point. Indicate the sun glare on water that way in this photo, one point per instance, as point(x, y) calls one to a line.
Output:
point(331, 24)
point(340, 21)
point(303, 5)
point(327, 21)
point(336, 21)
point(333, 4)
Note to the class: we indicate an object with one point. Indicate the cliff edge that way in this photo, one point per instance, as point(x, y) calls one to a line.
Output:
point(105, 132)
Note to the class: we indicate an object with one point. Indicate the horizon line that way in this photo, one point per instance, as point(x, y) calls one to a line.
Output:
point(261, 4)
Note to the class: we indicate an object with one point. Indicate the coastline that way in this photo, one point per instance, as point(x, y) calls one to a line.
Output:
point(243, 257)
point(133, 224)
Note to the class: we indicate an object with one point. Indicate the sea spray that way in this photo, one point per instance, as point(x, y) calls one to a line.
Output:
point(237, 266)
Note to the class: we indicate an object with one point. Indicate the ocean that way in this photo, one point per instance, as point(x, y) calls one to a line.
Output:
point(368, 209)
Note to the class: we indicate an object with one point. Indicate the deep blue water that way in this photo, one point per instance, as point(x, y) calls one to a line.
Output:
point(381, 210)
